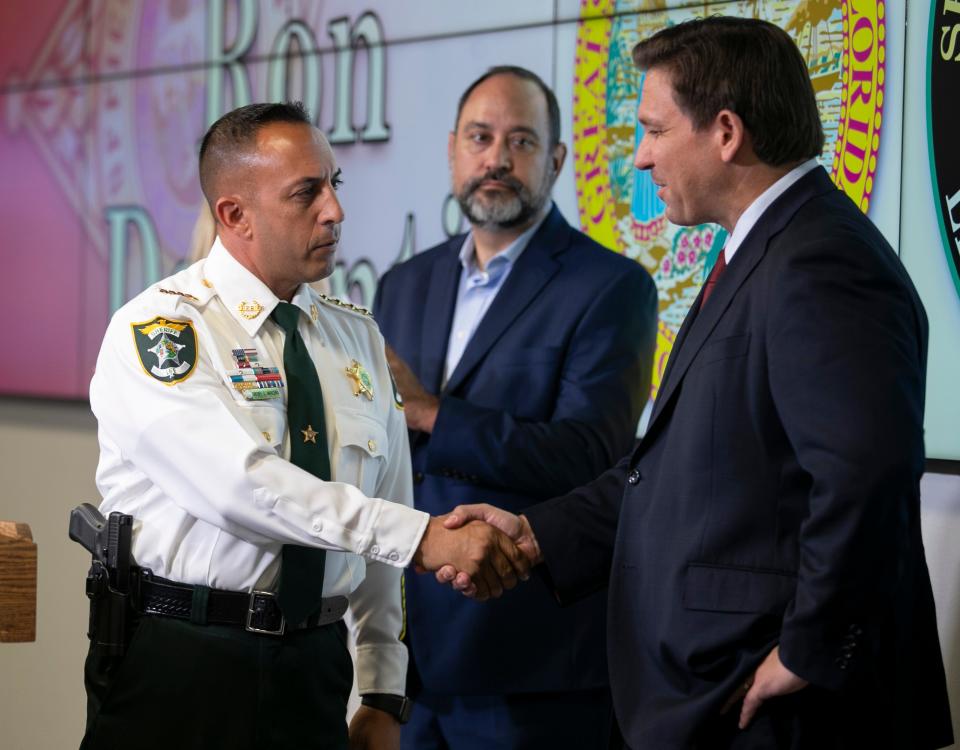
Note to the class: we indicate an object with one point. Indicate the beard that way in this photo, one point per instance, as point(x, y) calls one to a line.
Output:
point(504, 209)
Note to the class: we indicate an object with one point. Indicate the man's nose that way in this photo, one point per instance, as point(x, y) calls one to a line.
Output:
point(332, 211)
point(498, 156)
point(642, 159)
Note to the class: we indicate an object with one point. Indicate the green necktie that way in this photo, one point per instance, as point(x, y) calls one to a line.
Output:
point(301, 568)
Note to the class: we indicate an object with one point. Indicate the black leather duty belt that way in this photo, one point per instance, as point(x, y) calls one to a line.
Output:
point(256, 612)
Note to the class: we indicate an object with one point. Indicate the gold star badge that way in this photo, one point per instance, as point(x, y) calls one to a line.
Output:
point(309, 434)
point(361, 380)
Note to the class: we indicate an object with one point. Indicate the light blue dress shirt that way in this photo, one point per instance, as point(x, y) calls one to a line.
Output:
point(477, 291)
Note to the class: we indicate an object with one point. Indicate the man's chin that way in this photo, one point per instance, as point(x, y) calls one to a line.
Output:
point(321, 266)
point(499, 217)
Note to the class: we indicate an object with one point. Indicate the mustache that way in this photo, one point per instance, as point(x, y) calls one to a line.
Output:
point(334, 238)
point(498, 175)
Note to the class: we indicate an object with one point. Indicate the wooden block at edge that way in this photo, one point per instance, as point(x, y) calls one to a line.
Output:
point(18, 583)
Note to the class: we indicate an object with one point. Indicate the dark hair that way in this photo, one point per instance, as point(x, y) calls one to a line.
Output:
point(752, 68)
point(236, 131)
point(553, 109)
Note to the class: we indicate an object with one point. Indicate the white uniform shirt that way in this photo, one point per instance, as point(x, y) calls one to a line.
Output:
point(205, 472)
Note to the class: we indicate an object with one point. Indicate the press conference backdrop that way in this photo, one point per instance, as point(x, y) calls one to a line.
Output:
point(103, 105)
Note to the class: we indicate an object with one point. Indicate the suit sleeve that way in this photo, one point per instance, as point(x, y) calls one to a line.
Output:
point(576, 533)
point(846, 347)
point(604, 384)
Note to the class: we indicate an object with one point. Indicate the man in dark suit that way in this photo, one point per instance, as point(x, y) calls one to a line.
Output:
point(530, 350)
point(761, 546)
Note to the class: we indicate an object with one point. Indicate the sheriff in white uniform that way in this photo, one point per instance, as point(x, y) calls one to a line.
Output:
point(192, 399)
point(203, 467)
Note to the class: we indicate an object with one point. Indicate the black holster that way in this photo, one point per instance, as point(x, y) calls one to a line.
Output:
point(111, 612)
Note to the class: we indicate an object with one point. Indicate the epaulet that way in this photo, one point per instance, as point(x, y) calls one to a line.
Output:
point(345, 305)
point(193, 291)
point(185, 295)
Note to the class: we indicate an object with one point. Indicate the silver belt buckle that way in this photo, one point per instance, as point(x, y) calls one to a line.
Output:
point(255, 611)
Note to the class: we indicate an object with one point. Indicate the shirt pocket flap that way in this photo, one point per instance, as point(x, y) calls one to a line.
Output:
point(721, 588)
point(361, 431)
point(268, 421)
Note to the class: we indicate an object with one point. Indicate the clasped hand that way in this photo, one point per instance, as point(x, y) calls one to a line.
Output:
point(479, 550)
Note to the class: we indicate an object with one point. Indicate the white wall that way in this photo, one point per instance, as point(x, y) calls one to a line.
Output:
point(48, 454)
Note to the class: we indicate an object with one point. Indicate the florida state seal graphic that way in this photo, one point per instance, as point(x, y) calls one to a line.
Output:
point(843, 43)
point(943, 80)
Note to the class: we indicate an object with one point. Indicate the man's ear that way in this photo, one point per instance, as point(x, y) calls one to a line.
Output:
point(451, 144)
point(557, 158)
point(230, 212)
point(730, 134)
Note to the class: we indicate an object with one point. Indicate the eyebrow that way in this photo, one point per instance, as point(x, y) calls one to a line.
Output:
point(314, 181)
point(487, 126)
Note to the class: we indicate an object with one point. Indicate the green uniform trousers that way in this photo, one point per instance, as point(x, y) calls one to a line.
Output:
point(182, 685)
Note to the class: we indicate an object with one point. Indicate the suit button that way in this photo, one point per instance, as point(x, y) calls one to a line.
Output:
point(418, 477)
point(633, 477)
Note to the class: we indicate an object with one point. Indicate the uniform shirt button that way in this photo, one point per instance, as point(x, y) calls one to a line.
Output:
point(418, 477)
point(394, 556)
point(375, 549)
point(317, 526)
point(633, 477)
point(372, 445)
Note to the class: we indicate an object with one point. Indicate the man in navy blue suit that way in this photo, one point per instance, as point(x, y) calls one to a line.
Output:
point(523, 353)
point(761, 544)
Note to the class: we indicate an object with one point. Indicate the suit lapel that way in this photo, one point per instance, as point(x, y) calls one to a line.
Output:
point(438, 315)
point(532, 270)
point(699, 324)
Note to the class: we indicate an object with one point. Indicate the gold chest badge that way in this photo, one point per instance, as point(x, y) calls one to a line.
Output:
point(360, 378)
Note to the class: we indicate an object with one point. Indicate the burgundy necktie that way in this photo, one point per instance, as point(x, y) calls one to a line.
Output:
point(718, 266)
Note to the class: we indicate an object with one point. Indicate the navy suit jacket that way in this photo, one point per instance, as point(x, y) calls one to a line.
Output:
point(546, 397)
point(774, 498)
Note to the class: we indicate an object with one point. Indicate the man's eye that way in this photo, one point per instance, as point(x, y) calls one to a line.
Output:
point(522, 143)
point(336, 182)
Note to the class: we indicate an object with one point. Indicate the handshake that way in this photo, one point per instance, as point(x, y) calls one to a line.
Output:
point(479, 550)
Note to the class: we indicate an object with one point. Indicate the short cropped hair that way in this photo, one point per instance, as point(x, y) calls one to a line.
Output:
point(235, 132)
point(752, 68)
point(553, 108)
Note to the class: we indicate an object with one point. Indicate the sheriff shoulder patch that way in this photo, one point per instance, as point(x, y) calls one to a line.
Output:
point(167, 349)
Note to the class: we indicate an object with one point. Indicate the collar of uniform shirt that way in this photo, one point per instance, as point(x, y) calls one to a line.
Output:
point(499, 263)
point(236, 286)
point(762, 202)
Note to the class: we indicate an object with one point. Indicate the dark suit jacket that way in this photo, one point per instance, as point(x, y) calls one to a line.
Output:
point(774, 498)
point(546, 397)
